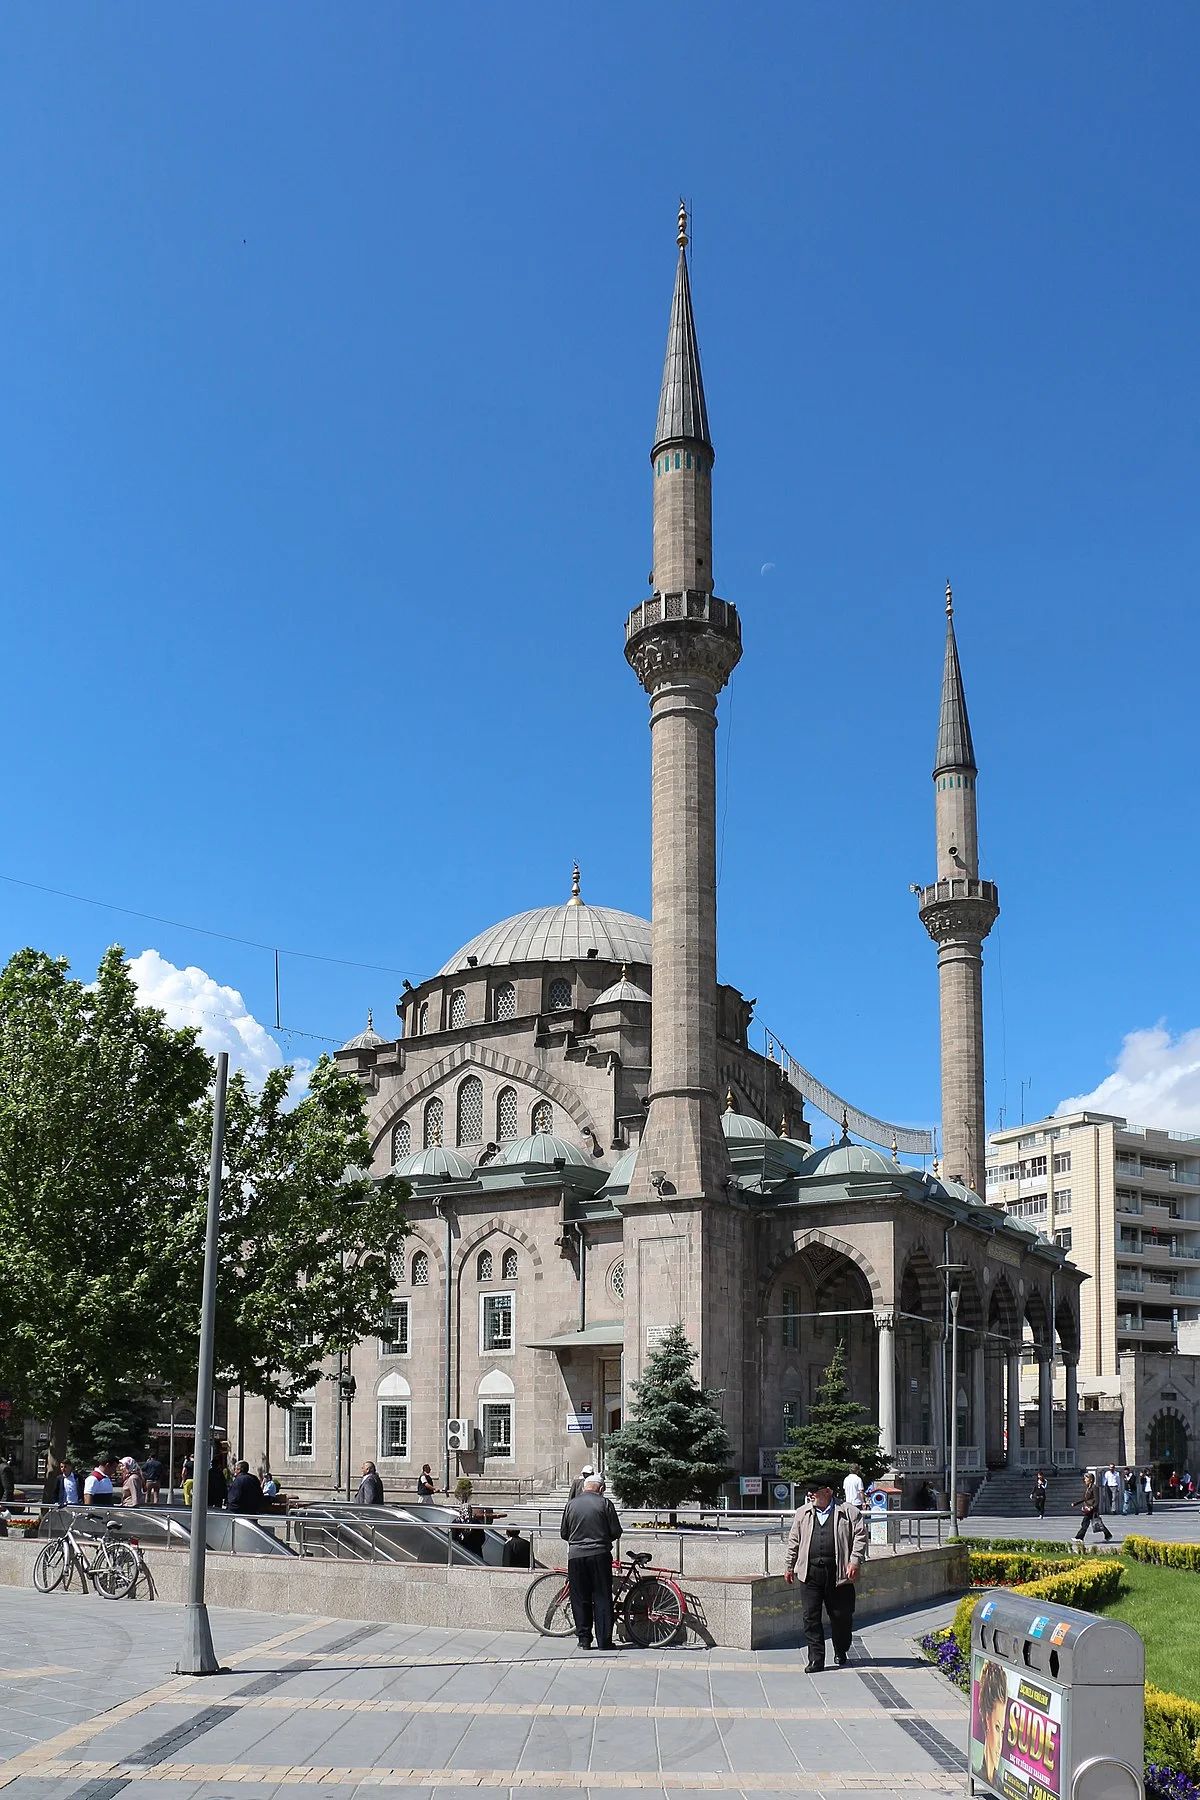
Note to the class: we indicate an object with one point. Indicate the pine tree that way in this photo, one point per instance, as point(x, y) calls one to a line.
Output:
point(675, 1446)
point(839, 1432)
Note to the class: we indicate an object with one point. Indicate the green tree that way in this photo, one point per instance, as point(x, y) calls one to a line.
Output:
point(97, 1178)
point(839, 1432)
point(674, 1447)
point(121, 1423)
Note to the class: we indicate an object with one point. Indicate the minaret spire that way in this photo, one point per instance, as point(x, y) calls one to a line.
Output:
point(683, 452)
point(682, 414)
point(958, 910)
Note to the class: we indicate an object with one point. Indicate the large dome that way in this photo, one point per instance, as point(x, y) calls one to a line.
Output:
point(557, 934)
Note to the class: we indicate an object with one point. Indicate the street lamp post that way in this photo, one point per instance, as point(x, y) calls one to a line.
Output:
point(948, 1269)
point(348, 1389)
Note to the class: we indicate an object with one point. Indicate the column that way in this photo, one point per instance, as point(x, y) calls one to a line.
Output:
point(937, 1394)
point(1013, 1458)
point(886, 1326)
point(1045, 1399)
point(979, 1401)
point(1073, 1407)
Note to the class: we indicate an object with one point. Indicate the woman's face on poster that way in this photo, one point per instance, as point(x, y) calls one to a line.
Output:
point(993, 1737)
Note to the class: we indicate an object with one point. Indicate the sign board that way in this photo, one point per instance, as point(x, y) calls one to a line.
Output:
point(580, 1421)
point(1016, 1728)
point(655, 1334)
point(750, 1484)
point(782, 1491)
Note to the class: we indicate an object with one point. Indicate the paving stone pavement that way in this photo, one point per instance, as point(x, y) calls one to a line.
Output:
point(89, 1710)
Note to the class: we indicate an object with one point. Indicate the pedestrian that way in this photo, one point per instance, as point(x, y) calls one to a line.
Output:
point(98, 1488)
point(425, 1485)
point(853, 1489)
point(470, 1540)
point(370, 1488)
point(152, 1470)
point(270, 1486)
point(1089, 1506)
point(1110, 1484)
point(1173, 1484)
point(8, 1478)
point(245, 1491)
point(517, 1552)
point(1189, 1488)
point(1148, 1490)
point(133, 1488)
point(218, 1483)
point(62, 1486)
point(1038, 1496)
point(577, 1485)
point(1129, 1491)
point(590, 1527)
point(825, 1548)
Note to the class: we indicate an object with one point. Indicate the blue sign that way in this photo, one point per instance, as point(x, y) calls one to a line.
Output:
point(1039, 1625)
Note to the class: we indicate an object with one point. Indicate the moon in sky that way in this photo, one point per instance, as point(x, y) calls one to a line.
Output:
point(766, 568)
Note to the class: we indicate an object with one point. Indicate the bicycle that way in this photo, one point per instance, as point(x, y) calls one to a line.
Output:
point(113, 1568)
point(646, 1603)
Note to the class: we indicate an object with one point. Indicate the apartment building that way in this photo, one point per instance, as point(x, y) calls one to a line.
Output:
point(1124, 1202)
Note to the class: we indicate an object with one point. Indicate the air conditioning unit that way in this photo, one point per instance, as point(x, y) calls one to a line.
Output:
point(460, 1434)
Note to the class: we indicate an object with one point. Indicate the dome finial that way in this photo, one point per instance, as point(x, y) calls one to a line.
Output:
point(370, 1019)
point(682, 234)
point(436, 1134)
point(783, 1126)
point(730, 1104)
point(576, 897)
point(895, 1149)
point(845, 1126)
point(949, 602)
point(624, 971)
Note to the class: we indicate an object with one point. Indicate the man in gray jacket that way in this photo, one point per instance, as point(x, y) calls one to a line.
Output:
point(591, 1526)
point(825, 1548)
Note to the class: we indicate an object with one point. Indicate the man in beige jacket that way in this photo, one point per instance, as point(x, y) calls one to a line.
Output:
point(826, 1546)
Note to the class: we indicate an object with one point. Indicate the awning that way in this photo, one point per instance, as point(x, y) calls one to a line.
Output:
point(610, 1334)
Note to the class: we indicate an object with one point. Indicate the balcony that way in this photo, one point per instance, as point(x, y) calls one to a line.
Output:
point(1185, 1252)
point(1130, 1284)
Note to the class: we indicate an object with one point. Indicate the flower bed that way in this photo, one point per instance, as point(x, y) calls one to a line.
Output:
point(1167, 1556)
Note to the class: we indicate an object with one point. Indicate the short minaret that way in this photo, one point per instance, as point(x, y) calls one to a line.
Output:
point(958, 911)
point(683, 645)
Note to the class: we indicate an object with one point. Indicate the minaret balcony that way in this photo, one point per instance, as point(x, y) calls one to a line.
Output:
point(682, 636)
point(958, 907)
point(692, 606)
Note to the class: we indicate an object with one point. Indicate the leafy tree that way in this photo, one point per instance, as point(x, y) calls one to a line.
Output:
point(675, 1446)
point(122, 1423)
point(839, 1432)
point(97, 1173)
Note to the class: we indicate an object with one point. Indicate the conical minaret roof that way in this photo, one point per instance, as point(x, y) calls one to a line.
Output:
point(954, 747)
point(681, 409)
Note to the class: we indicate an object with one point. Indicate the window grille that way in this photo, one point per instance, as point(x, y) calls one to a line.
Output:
point(791, 1319)
point(497, 1428)
point(616, 1278)
point(300, 1431)
point(420, 1269)
point(393, 1429)
point(497, 1322)
point(508, 1270)
point(470, 1111)
point(401, 1141)
point(458, 1009)
point(393, 1336)
point(560, 996)
point(483, 1268)
point(506, 1114)
point(543, 1116)
point(423, 1019)
point(433, 1122)
point(504, 1001)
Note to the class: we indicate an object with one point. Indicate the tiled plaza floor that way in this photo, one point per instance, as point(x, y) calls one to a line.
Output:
point(89, 1710)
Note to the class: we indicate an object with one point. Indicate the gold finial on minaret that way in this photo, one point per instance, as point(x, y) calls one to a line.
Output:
point(682, 237)
point(576, 897)
point(949, 602)
point(730, 1104)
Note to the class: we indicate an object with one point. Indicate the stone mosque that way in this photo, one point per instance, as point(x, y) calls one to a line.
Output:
point(596, 1152)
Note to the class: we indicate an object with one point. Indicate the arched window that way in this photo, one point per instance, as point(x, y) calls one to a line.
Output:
point(504, 1001)
point(423, 1018)
point(470, 1111)
point(420, 1269)
point(560, 995)
point(543, 1116)
point(508, 1270)
point(616, 1278)
point(506, 1114)
point(458, 1009)
point(401, 1141)
point(433, 1122)
point(483, 1268)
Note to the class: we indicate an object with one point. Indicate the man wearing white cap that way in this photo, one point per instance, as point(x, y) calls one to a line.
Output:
point(577, 1484)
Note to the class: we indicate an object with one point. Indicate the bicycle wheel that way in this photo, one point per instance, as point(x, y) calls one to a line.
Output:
point(653, 1611)
point(114, 1571)
point(548, 1605)
point(50, 1566)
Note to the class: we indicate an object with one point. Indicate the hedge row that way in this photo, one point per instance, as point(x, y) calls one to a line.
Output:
point(1086, 1584)
point(1167, 1556)
point(996, 1568)
point(1172, 1730)
point(1070, 1547)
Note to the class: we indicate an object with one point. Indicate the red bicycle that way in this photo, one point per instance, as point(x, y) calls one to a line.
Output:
point(646, 1603)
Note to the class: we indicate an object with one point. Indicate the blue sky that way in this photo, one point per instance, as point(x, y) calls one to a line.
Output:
point(330, 343)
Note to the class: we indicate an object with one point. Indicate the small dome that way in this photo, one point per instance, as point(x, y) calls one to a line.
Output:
point(557, 934)
point(622, 990)
point(958, 1191)
point(742, 1128)
point(436, 1163)
point(621, 1173)
point(366, 1040)
point(850, 1159)
point(543, 1149)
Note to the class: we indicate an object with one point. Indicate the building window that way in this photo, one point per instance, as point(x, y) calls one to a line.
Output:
point(420, 1269)
point(1062, 1162)
point(508, 1268)
point(393, 1429)
point(1062, 1200)
point(483, 1268)
point(393, 1337)
point(470, 1111)
point(791, 1319)
point(791, 1419)
point(497, 1322)
point(300, 1437)
point(1063, 1238)
point(616, 1278)
point(560, 996)
point(458, 1009)
point(401, 1141)
point(543, 1116)
point(506, 1114)
point(433, 1122)
point(423, 1018)
point(497, 1428)
point(504, 1001)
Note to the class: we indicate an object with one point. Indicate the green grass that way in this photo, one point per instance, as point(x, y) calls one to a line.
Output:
point(1163, 1605)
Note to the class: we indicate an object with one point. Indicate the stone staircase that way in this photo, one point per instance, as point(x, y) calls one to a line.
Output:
point(1005, 1495)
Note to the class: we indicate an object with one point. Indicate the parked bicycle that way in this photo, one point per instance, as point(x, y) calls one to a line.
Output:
point(106, 1561)
point(646, 1602)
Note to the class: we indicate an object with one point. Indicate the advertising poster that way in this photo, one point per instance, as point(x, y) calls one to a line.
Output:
point(1016, 1731)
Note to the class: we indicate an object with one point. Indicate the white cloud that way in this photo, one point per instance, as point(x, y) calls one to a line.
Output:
point(191, 997)
point(1156, 1081)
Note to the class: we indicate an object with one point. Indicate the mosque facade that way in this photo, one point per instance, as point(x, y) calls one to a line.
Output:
point(596, 1152)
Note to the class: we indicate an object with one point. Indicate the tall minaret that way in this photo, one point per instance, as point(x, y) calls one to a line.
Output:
point(683, 645)
point(958, 911)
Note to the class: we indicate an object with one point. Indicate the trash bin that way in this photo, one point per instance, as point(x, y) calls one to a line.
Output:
point(1057, 1702)
point(884, 1501)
